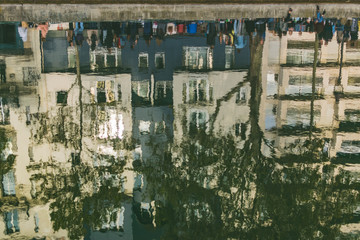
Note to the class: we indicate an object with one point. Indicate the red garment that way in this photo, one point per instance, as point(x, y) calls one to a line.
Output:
point(181, 28)
point(44, 29)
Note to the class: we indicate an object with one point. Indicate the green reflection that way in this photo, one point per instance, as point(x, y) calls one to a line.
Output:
point(161, 158)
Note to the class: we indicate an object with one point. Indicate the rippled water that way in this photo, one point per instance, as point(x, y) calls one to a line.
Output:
point(232, 129)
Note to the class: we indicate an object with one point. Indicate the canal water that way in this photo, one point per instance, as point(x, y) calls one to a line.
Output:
point(154, 129)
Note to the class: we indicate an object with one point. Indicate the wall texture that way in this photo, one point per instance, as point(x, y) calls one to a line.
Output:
point(115, 12)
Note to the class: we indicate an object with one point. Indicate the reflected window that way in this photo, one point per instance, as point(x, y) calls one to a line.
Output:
point(302, 84)
point(144, 127)
point(2, 72)
point(99, 58)
point(160, 60)
point(240, 130)
point(237, 129)
point(30, 76)
point(110, 124)
point(110, 60)
point(101, 97)
point(352, 115)
point(229, 57)
point(28, 115)
point(120, 218)
point(352, 54)
point(141, 89)
point(198, 89)
point(160, 91)
point(33, 190)
point(31, 153)
point(197, 57)
point(163, 92)
point(105, 91)
point(103, 57)
point(333, 80)
point(241, 95)
point(300, 56)
point(119, 93)
point(5, 112)
point(160, 127)
point(8, 183)
point(100, 85)
point(61, 97)
point(36, 220)
point(12, 222)
point(143, 60)
point(113, 219)
point(300, 116)
point(98, 61)
point(7, 151)
point(75, 158)
point(350, 147)
point(270, 116)
point(139, 181)
point(105, 160)
point(354, 81)
point(71, 57)
point(198, 120)
point(272, 84)
point(7, 34)
point(137, 153)
point(243, 128)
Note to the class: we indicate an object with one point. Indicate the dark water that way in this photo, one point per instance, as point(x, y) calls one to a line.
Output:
point(232, 129)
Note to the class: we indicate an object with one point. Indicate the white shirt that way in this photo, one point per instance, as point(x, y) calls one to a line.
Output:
point(23, 33)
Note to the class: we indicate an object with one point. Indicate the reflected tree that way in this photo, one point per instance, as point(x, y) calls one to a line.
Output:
point(86, 191)
point(215, 186)
point(7, 160)
point(207, 185)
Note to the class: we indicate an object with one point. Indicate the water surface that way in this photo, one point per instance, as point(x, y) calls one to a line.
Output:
point(227, 129)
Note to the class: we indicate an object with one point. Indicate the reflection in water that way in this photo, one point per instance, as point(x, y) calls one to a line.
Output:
point(234, 129)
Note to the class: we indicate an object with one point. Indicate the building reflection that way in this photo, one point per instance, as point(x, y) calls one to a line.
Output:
point(116, 143)
point(289, 78)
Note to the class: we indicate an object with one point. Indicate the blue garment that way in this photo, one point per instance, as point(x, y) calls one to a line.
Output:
point(339, 26)
point(122, 41)
point(192, 28)
point(79, 28)
point(240, 42)
point(239, 32)
point(319, 18)
point(147, 28)
point(299, 27)
point(123, 28)
point(271, 24)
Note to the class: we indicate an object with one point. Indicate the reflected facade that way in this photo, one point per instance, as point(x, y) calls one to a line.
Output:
point(230, 129)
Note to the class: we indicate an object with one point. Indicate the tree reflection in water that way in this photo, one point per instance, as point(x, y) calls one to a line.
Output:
point(216, 189)
point(205, 184)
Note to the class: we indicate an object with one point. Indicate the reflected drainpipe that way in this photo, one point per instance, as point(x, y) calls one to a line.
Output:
point(338, 90)
point(316, 50)
point(152, 88)
point(42, 56)
point(78, 74)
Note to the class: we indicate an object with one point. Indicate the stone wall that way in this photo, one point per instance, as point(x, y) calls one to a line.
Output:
point(115, 12)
